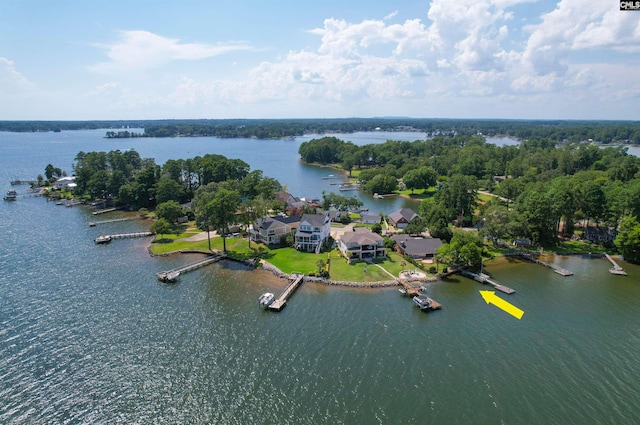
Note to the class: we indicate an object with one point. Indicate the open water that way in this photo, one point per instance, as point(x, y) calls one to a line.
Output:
point(88, 335)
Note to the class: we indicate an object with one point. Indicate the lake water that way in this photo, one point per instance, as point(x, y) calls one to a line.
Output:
point(88, 334)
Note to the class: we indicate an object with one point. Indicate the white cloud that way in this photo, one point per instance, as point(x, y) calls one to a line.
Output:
point(12, 81)
point(139, 50)
point(452, 63)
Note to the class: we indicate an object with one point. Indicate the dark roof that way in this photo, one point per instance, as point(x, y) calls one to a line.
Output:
point(417, 247)
point(361, 236)
point(403, 213)
point(316, 220)
point(370, 217)
point(267, 222)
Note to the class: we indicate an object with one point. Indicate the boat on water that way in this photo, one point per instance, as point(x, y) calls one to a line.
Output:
point(377, 196)
point(422, 301)
point(266, 299)
point(617, 270)
point(168, 277)
point(103, 239)
point(402, 291)
point(11, 195)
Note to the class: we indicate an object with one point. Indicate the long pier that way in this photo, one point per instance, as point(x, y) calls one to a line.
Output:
point(109, 238)
point(484, 278)
point(95, 223)
point(281, 301)
point(559, 270)
point(174, 273)
point(616, 269)
point(106, 210)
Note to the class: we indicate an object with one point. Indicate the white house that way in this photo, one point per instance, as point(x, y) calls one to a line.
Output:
point(313, 231)
point(68, 182)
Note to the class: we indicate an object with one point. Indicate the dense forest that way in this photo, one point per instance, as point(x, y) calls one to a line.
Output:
point(542, 190)
point(557, 130)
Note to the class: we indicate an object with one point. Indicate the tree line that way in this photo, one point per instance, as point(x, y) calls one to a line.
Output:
point(541, 189)
point(557, 130)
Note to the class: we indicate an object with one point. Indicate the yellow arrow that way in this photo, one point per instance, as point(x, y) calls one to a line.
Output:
point(491, 298)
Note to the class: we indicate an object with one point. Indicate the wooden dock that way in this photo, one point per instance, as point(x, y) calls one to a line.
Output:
point(281, 301)
point(123, 236)
point(616, 269)
point(106, 210)
point(559, 270)
point(163, 276)
point(409, 288)
point(484, 278)
point(95, 223)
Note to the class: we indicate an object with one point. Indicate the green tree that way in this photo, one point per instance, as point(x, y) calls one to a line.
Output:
point(628, 240)
point(169, 210)
point(161, 227)
point(382, 183)
point(222, 211)
point(465, 249)
point(167, 189)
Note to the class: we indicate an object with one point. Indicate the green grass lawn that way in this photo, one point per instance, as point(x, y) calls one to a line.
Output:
point(289, 260)
point(418, 194)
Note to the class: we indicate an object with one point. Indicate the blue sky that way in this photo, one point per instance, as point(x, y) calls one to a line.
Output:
point(81, 60)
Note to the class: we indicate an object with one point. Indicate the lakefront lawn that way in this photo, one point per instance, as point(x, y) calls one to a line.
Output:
point(286, 259)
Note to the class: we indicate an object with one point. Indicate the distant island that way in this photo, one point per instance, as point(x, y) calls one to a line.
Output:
point(604, 132)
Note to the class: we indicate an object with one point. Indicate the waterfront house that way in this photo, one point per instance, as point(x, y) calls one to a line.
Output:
point(418, 248)
point(371, 218)
point(68, 182)
point(336, 216)
point(402, 217)
point(522, 243)
point(600, 235)
point(361, 244)
point(289, 200)
point(272, 230)
point(314, 230)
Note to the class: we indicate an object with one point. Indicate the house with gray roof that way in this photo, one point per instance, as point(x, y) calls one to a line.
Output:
point(313, 231)
point(370, 218)
point(402, 217)
point(271, 230)
point(418, 248)
point(361, 244)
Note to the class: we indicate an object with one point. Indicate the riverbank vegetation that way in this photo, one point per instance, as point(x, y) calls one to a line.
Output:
point(539, 191)
point(557, 130)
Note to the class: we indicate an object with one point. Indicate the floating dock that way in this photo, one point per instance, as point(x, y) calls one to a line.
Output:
point(616, 269)
point(109, 238)
point(485, 278)
point(171, 275)
point(281, 301)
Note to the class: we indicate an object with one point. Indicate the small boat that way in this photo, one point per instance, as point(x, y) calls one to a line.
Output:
point(168, 277)
point(617, 270)
point(377, 196)
point(103, 239)
point(422, 301)
point(266, 299)
point(11, 195)
point(402, 291)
